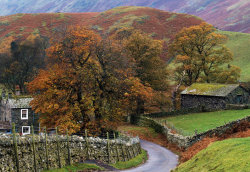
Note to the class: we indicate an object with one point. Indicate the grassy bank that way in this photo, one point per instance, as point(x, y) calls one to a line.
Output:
point(138, 160)
point(76, 168)
point(229, 155)
point(187, 124)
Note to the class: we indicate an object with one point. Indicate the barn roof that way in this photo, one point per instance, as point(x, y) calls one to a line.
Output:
point(210, 89)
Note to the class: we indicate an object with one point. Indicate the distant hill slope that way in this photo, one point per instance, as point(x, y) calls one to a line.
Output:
point(159, 24)
point(232, 15)
point(239, 44)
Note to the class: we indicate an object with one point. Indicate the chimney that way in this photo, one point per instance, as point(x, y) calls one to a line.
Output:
point(17, 90)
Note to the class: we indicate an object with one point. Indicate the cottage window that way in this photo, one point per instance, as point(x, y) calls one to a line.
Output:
point(25, 130)
point(24, 113)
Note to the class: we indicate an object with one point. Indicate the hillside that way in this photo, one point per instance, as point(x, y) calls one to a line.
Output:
point(232, 15)
point(228, 155)
point(159, 24)
point(239, 43)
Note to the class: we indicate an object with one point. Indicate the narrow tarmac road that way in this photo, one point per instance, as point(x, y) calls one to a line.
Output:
point(160, 159)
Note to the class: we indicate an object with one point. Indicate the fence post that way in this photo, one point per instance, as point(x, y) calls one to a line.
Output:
point(46, 148)
point(108, 149)
point(87, 144)
point(133, 151)
point(15, 146)
point(69, 156)
point(140, 148)
point(58, 149)
point(116, 147)
point(123, 153)
point(34, 148)
point(128, 153)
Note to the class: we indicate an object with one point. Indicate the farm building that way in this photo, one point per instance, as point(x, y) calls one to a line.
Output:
point(209, 96)
point(18, 111)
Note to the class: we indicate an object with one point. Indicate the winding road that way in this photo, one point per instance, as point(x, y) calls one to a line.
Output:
point(160, 159)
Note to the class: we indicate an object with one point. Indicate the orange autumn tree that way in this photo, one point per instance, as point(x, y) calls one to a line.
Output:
point(202, 57)
point(59, 92)
point(86, 85)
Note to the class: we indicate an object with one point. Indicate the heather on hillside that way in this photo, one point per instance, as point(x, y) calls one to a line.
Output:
point(229, 15)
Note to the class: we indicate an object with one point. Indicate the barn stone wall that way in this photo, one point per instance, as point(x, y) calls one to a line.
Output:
point(206, 103)
point(238, 96)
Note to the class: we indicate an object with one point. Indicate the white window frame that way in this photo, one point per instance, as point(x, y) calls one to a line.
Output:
point(27, 116)
point(27, 132)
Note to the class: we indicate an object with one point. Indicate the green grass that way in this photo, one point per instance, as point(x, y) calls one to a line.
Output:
point(76, 168)
point(61, 16)
point(187, 124)
point(44, 24)
point(139, 159)
point(127, 21)
point(229, 155)
point(4, 23)
point(172, 17)
point(36, 31)
point(123, 9)
point(239, 43)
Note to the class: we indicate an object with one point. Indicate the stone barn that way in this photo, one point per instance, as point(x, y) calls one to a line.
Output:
point(209, 96)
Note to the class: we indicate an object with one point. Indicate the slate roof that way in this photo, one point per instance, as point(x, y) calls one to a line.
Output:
point(209, 89)
point(19, 103)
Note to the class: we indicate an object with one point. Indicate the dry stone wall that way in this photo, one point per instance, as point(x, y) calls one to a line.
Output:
point(187, 141)
point(108, 151)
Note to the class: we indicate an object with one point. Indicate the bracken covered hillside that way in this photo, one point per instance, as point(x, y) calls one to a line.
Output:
point(232, 15)
point(157, 23)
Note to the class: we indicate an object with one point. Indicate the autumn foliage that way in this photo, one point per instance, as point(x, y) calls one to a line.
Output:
point(90, 83)
point(201, 56)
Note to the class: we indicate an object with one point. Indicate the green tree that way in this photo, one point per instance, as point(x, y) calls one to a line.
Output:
point(146, 53)
point(148, 66)
point(199, 53)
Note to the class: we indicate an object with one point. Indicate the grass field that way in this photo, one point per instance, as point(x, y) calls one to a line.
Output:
point(229, 155)
point(239, 44)
point(77, 168)
point(187, 124)
point(139, 159)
